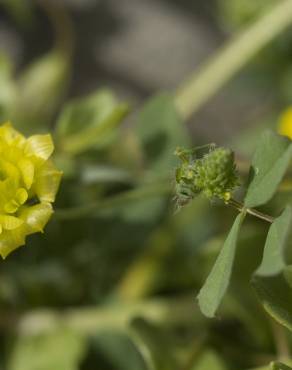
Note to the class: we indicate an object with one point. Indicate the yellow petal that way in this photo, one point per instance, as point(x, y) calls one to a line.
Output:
point(8, 190)
point(21, 196)
point(36, 217)
point(9, 134)
point(40, 146)
point(24, 172)
point(47, 182)
point(285, 123)
point(10, 222)
point(8, 170)
point(10, 240)
point(11, 206)
point(27, 170)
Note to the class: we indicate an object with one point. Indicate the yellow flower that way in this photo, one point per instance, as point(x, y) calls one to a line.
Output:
point(28, 185)
point(285, 123)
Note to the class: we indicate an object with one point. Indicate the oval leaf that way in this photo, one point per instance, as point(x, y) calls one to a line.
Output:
point(90, 121)
point(46, 351)
point(212, 292)
point(273, 258)
point(40, 88)
point(160, 130)
point(275, 294)
point(269, 164)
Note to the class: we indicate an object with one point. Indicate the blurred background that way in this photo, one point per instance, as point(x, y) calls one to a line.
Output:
point(111, 284)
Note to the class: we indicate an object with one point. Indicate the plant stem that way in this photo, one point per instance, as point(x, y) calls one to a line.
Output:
point(62, 26)
point(280, 338)
point(143, 192)
point(173, 311)
point(240, 207)
point(208, 79)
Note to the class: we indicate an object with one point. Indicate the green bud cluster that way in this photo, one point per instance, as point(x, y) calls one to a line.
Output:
point(213, 175)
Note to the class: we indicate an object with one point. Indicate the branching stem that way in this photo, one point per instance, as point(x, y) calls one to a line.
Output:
point(240, 207)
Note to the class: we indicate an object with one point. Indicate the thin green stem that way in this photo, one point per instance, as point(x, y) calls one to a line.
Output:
point(254, 212)
point(117, 315)
point(125, 197)
point(208, 79)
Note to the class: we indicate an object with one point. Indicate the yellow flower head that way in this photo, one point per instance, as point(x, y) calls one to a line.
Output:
point(285, 123)
point(28, 185)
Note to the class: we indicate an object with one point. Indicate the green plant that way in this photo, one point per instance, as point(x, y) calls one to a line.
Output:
point(214, 175)
point(113, 278)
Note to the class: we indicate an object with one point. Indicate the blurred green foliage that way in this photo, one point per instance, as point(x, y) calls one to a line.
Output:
point(111, 284)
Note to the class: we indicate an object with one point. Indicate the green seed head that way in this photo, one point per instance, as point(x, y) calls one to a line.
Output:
point(214, 175)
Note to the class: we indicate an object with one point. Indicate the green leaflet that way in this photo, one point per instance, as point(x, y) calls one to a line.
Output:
point(275, 294)
point(212, 292)
point(89, 122)
point(153, 345)
point(40, 88)
point(160, 130)
point(209, 359)
point(62, 349)
point(273, 258)
point(23, 11)
point(117, 349)
point(272, 280)
point(269, 164)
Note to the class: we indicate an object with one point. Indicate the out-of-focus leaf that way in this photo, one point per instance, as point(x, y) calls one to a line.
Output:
point(268, 367)
point(62, 349)
point(102, 174)
point(192, 225)
point(40, 88)
point(248, 258)
point(274, 366)
point(237, 13)
point(275, 294)
point(209, 360)
point(89, 122)
point(116, 351)
point(212, 292)
point(246, 140)
point(21, 10)
point(279, 366)
point(273, 258)
point(154, 346)
point(269, 163)
point(8, 88)
point(5, 66)
point(160, 130)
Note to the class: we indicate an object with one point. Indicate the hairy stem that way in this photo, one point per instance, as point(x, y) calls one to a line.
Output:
point(240, 207)
point(208, 79)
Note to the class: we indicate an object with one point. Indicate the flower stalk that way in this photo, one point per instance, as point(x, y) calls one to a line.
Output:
point(254, 212)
